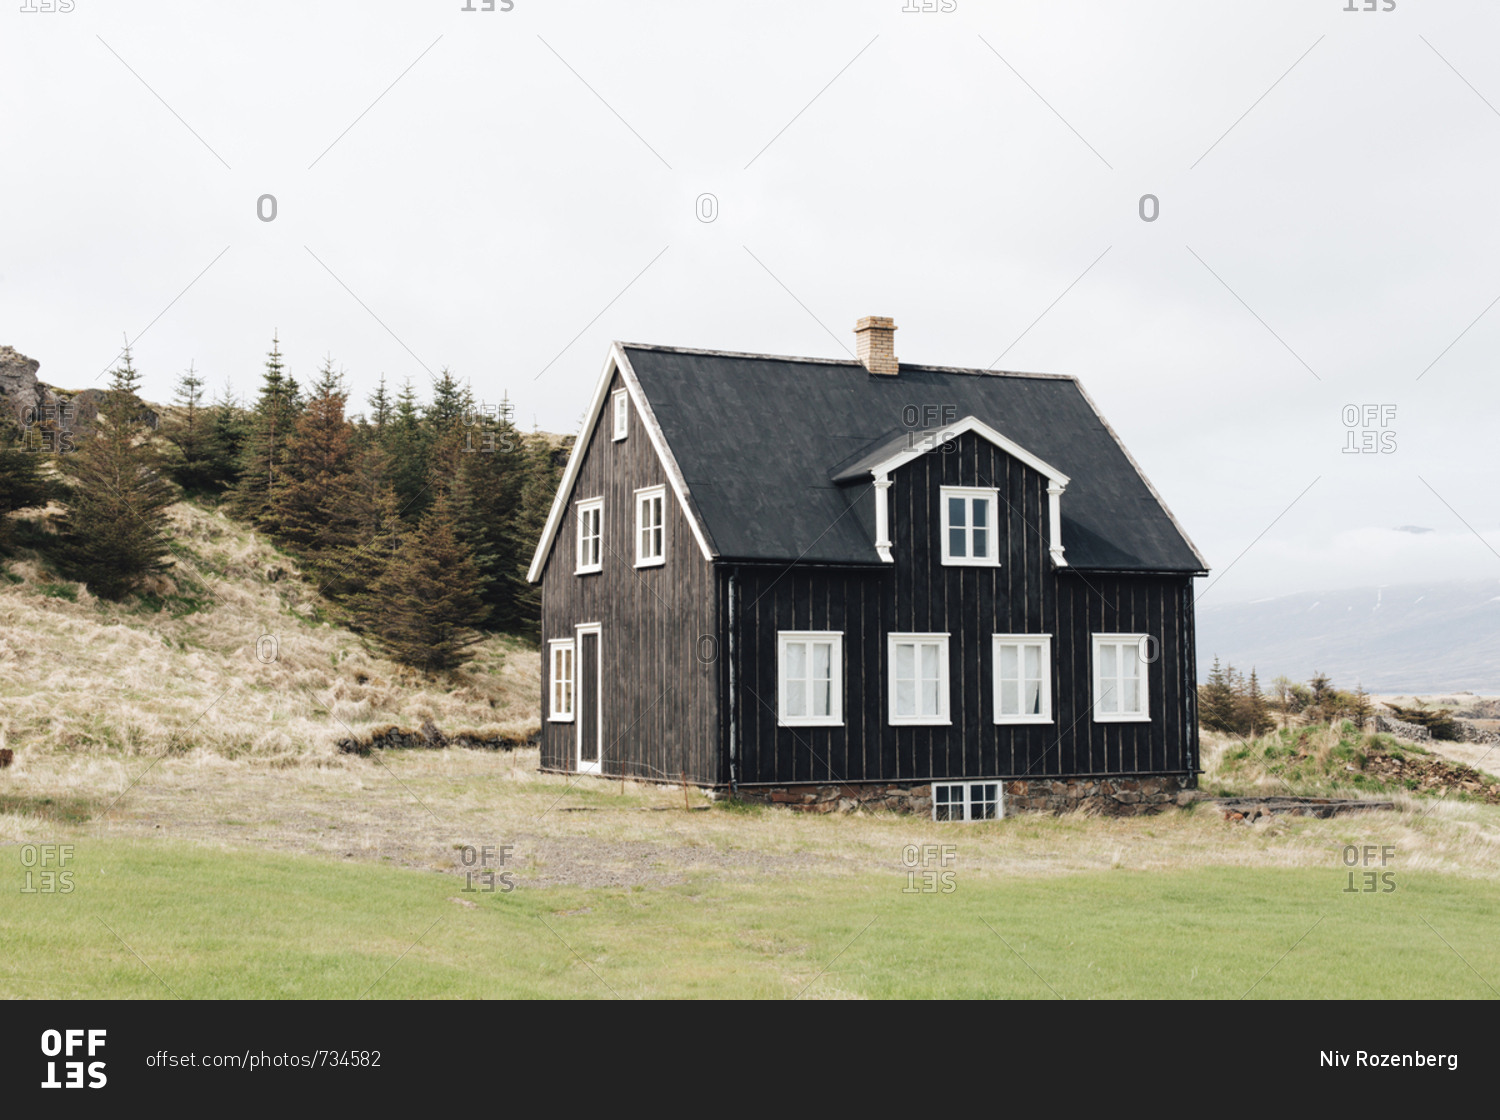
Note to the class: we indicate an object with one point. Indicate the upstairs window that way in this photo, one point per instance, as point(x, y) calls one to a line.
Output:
point(919, 678)
point(620, 403)
point(561, 708)
point(968, 528)
point(1023, 678)
point(650, 526)
point(1120, 694)
point(591, 536)
point(811, 678)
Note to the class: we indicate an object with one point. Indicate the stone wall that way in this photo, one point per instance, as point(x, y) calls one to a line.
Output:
point(1412, 732)
point(1117, 797)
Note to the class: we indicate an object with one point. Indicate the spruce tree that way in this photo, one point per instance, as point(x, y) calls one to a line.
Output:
point(539, 486)
point(1256, 718)
point(263, 456)
point(226, 440)
point(114, 531)
point(316, 509)
point(494, 471)
point(424, 607)
point(406, 444)
point(452, 403)
point(190, 433)
point(1216, 700)
point(21, 483)
point(124, 380)
point(380, 407)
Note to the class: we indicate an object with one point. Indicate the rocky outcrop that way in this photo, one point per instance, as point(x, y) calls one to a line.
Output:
point(41, 410)
point(19, 388)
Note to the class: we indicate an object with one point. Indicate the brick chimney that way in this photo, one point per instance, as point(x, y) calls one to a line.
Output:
point(875, 337)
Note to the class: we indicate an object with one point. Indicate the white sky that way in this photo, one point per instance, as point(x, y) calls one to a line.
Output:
point(489, 207)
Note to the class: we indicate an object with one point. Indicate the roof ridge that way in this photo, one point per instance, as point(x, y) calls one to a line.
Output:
point(967, 370)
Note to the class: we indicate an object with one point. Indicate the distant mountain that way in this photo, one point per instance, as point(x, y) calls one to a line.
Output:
point(1407, 638)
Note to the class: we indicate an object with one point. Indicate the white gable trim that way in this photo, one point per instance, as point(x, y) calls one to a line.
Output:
point(1057, 482)
point(616, 360)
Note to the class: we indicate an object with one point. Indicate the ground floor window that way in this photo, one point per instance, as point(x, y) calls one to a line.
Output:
point(811, 678)
point(967, 801)
point(561, 707)
point(919, 678)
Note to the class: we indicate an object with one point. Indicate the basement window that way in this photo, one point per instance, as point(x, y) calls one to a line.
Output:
point(969, 526)
point(968, 801)
point(591, 536)
point(620, 404)
point(650, 526)
point(811, 678)
point(561, 708)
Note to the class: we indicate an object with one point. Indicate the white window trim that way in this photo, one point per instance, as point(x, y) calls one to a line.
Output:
point(554, 647)
point(1144, 715)
point(642, 496)
point(597, 629)
point(1043, 640)
point(835, 717)
point(944, 716)
point(970, 493)
point(968, 803)
point(619, 405)
point(583, 506)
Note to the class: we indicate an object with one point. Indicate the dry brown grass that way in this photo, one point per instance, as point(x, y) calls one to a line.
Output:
point(259, 674)
point(134, 724)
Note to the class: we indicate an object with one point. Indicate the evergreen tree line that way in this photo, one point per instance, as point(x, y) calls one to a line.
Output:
point(417, 518)
point(1234, 703)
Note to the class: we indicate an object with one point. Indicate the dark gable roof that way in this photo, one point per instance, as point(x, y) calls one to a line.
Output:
point(759, 440)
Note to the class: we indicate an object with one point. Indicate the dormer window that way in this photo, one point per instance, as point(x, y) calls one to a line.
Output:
point(968, 530)
point(621, 405)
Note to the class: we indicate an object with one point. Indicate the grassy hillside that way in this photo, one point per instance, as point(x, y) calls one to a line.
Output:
point(232, 654)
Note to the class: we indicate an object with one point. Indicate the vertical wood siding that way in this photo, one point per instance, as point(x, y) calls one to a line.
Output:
point(1025, 594)
point(659, 709)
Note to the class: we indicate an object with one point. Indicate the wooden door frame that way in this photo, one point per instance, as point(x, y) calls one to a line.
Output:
point(579, 631)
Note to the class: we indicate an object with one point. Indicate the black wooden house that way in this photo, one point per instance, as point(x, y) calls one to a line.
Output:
point(831, 582)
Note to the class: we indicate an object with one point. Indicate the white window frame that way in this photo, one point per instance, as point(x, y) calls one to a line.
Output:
point(590, 505)
point(1045, 642)
point(970, 494)
point(966, 800)
point(562, 649)
point(1143, 692)
point(643, 498)
point(943, 715)
point(835, 716)
point(620, 413)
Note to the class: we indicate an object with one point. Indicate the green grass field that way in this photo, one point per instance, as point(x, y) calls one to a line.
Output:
point(154, 920)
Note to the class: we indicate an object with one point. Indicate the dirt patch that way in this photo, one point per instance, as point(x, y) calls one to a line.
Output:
point(431, 737)
point(1250, 809)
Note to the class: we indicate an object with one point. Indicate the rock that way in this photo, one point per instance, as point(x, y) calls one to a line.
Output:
point(6, 756)
point(18, 383)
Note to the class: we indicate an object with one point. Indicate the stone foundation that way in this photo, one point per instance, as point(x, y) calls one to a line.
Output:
point(1116, 797)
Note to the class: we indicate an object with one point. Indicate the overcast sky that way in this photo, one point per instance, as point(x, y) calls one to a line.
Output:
point(505, 192)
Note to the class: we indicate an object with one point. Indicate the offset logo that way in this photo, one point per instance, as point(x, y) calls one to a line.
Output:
point(66, 1044)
